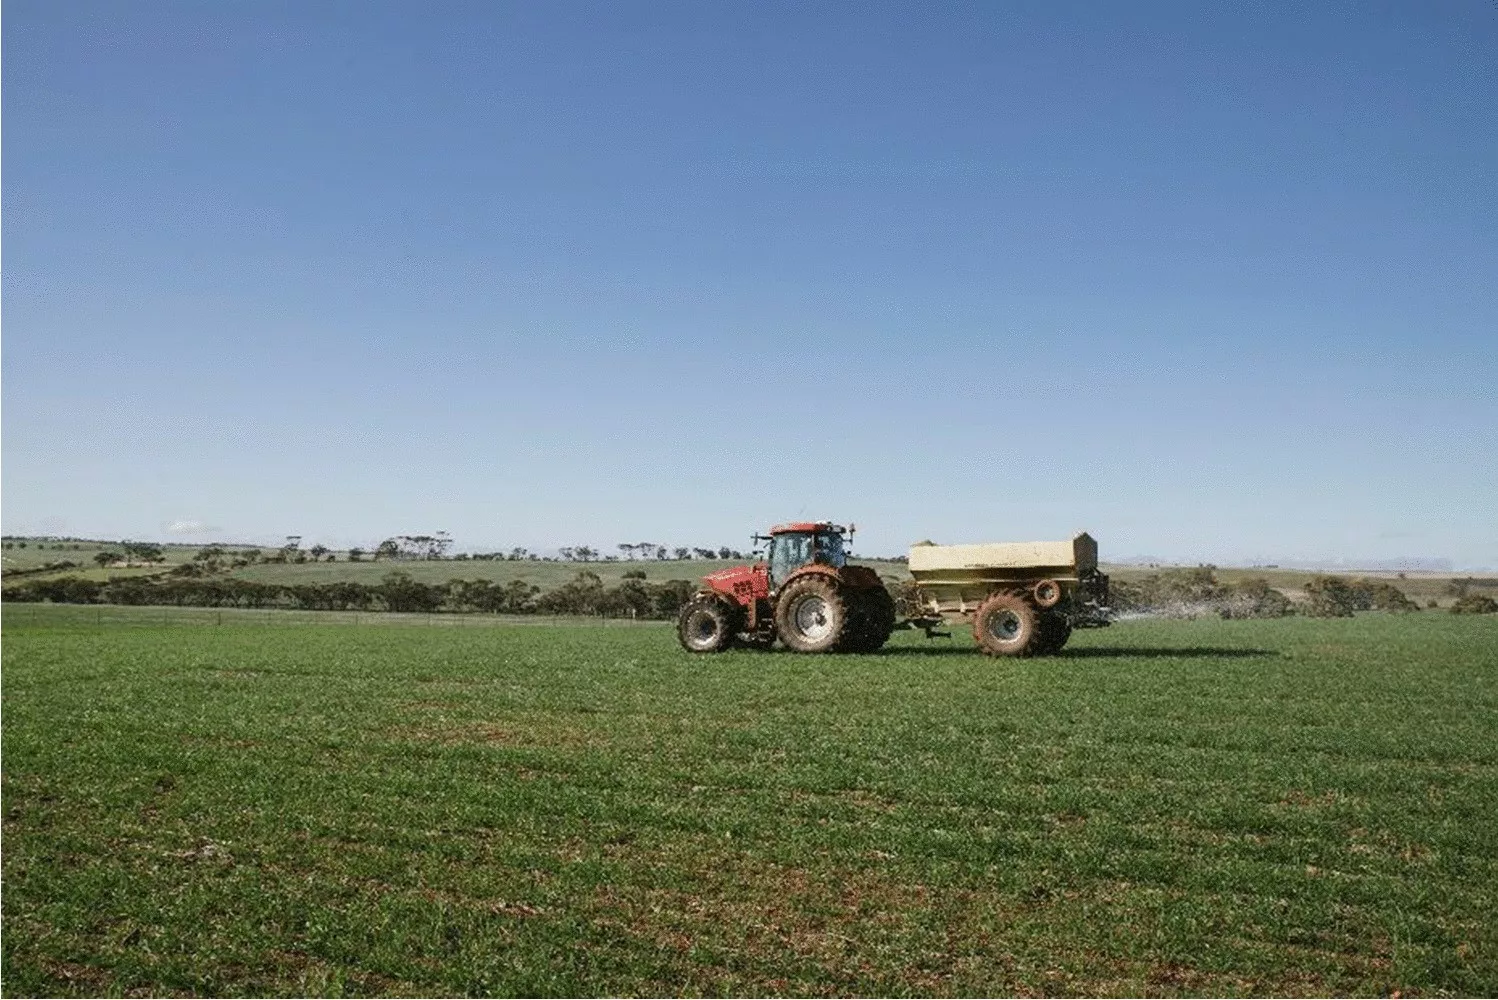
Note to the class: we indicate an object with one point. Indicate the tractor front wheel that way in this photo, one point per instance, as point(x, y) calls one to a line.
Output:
point(811, 616)
point(1006, 625)
point(705, 625)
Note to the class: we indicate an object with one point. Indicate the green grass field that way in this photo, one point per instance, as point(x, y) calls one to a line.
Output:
point(1298, 806)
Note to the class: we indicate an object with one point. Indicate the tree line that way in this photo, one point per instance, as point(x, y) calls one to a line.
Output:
point(585, 594)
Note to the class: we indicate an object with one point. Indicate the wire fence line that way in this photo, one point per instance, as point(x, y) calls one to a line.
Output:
point(135, 615)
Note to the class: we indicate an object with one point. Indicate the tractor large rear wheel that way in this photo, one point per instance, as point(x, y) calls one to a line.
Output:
point(1006, 624)
point(811, 616)
point(706, 625)
point(873, 615)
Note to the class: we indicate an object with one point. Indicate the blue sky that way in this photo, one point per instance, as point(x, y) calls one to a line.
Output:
point(1211, 282)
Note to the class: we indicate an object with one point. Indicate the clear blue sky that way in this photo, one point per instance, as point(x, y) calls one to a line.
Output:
point(1213, 282)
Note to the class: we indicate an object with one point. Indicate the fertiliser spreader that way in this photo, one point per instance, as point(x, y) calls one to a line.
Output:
point(1021, 598)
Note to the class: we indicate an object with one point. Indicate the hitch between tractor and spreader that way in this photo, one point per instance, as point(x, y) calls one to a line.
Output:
point(927, 625)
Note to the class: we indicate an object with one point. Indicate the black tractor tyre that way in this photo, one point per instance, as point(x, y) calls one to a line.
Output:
point(1054, 631)
point(811, 616)
point(873, 620)
point(1006, 624)
point(706, 625)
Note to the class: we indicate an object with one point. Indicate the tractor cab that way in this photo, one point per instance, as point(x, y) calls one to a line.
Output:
point(801, 544)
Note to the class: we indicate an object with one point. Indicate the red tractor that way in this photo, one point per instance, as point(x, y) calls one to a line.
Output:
point(805, 594)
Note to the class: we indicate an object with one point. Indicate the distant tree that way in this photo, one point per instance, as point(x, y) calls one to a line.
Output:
point(704, 553)
point(106, 558)
point(20, 545)
point(251, 555)
point(318, 551)
point(518, 553)
point(683, 553)
point(634, 574)
point(388, 549)
point(146, 552)
point(627, 549)
point(725, 553)
point(210, 553)
point(355, 555)
point(661, 552)
point(1474, 604)
point(566, 554)
point(585, 553)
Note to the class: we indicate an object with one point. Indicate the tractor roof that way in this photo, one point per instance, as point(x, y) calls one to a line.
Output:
point(797, 526)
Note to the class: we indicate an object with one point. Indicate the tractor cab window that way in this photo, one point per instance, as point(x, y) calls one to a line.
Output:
point(792, 550)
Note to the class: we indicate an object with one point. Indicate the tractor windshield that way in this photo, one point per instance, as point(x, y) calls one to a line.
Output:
point(789, 551)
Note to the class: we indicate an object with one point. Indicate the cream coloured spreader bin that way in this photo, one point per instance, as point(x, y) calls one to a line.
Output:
point(954, 580)
point(1004, 560)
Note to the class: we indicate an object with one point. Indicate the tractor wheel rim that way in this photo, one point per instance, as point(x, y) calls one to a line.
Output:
point(1003, 625)
point(811, 618)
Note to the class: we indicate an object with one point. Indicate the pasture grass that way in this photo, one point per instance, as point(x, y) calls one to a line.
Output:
point(1297, 806)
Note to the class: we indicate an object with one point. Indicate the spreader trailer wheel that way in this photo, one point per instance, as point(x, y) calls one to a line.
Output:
point(1047, 593)
point(1006, 624)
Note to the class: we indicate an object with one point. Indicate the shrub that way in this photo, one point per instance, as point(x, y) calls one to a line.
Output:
point(401, 593)
point(1384, 596)
point(1254, 598)
point(63, 590)
point(1331, 597)
point(1475, 604)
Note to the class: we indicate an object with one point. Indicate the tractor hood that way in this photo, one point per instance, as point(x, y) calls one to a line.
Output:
point(742, 583)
